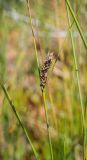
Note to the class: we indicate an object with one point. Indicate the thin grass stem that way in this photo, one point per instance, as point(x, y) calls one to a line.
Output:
point(76, 22)
point(34, 40)
point(43, 95)
point(78, 82)
point(19, 120)
point(48, 126)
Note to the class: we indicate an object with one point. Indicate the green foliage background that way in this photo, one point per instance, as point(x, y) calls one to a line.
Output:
point(19, 74)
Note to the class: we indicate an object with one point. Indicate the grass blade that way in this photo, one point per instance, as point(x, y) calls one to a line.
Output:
point(19, 120)
point(78, 83)
point(76, 22)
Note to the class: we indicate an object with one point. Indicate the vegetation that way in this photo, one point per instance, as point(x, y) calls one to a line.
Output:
point(43, 94)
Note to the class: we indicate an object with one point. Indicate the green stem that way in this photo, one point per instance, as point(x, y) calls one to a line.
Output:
point(19, 120)
point(34, 40)
point(76, 22)
point(46, 114)
point(78, 81)
point(48, 127)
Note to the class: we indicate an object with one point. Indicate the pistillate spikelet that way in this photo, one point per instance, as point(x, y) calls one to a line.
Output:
point(44, 70)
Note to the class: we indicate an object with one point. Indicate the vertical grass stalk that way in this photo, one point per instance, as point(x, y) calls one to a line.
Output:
point(77, 23)
point(34, 41)
point(78, 82)
point(43, 94)
point(48, 126)
point(19, 120)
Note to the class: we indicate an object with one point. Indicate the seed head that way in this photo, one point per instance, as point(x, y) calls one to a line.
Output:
point(44, 70)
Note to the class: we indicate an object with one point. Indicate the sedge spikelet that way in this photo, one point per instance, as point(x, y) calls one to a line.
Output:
point(44, 70)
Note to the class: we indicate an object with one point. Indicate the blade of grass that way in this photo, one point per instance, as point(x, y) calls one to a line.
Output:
point(19, 120)
point(78, 81)
point(76, 22)
point(43, 95)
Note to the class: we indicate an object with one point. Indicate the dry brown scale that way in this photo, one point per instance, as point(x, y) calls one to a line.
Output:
point(44, 70)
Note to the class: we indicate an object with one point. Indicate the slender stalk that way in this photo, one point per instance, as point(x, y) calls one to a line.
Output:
point(48, 126)
point(78, 81)
point(19, 120)
point(43, 94)
point(76, 22)
point(34, 40)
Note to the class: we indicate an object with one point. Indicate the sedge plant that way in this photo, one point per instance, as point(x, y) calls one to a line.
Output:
point(43, 92)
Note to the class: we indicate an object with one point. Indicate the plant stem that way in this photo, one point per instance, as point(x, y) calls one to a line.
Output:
point(76, 22)
point(19, 120)
point(43, 94)
point(34, 41)
point(48, 126)
point(78, 82)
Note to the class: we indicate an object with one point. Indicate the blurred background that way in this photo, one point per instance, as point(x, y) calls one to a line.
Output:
point(19, 74)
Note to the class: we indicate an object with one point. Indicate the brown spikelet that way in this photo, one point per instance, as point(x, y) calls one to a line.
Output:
point(44, 70)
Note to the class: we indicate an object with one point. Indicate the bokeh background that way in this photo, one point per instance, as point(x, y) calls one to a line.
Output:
point(19, 74)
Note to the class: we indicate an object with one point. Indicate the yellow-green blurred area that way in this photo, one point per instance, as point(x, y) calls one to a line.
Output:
point(19, 74)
